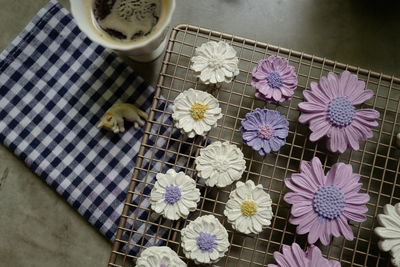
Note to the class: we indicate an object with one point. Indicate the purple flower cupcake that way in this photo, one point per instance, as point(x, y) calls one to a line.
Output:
point(323, 204)
point(264, 130)
point(294, 256)
point(329, 108)
point(274, 79)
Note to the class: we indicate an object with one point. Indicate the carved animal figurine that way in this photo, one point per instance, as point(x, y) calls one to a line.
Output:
point(114, 117)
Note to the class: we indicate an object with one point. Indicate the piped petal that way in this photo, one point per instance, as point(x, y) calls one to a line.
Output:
point(345, 229)
point(364, 95)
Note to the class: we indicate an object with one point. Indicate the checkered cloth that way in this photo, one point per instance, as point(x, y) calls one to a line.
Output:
point(55, 84)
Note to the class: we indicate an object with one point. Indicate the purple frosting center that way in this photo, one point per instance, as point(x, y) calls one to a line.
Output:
point(206, 242)
point(329, 202)
point(265, 132)
point(274, 80)
point(172, 194)
point(340, 111)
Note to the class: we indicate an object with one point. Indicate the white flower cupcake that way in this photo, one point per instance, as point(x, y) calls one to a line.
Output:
point(220, 164)
point(249, 208)
point(195, 112)
point(215, 63)
point(390, 231)
point(159, 257)
point(205, 240)
point(174, 195)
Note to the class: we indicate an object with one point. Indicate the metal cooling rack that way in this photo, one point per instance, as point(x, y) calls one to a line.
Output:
point(377, 161)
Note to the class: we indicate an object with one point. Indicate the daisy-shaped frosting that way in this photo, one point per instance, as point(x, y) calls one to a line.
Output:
point(329, 108)
point(220, 164)
point(195, 112)
point(323, 204)
point(205, 240)
point(294, 256)
point(174, 195)
point(390, 231)
point(274, 79)
point(249, 208)
point(264, 130)
point(159, 257)
point(215, 62)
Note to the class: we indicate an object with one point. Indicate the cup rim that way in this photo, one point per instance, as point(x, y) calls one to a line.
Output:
point(75, 9)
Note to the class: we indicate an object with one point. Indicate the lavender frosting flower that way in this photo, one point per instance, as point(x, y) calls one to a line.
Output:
point(323, 204)
point(274, 79)
point(264, 130)
point(329, 108)
point(294, 256)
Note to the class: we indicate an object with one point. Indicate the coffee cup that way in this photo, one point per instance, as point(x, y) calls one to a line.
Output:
point(144, 49)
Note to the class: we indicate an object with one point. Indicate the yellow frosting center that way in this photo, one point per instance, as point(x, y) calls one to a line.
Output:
point(248, 208)
point(197, 111)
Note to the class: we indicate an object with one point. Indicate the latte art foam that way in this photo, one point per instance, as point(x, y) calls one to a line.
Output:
point(127, 19)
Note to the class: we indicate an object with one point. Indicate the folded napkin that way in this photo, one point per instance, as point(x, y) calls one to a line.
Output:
point(55, 85)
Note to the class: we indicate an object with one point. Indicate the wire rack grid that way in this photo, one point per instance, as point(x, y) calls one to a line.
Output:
point(377, 160)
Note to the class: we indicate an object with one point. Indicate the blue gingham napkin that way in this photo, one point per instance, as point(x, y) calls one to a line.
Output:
point(55, 84)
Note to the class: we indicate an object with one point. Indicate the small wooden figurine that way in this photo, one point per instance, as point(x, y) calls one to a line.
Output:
point(114, 117)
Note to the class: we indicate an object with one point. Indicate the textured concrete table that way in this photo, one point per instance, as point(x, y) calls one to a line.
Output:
point(37, 228)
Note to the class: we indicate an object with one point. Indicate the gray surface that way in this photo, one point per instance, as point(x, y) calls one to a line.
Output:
point(37, 228)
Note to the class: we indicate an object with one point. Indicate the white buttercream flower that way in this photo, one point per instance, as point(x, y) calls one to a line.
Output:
point(249, 208)
point(215, 62)
point(159, 257)
point(174, 195)
point(390, 231)
point(220, 164)
point(205, 240)
point(195, 112)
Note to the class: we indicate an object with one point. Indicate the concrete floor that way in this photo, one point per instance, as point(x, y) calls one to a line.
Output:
point(37, 228)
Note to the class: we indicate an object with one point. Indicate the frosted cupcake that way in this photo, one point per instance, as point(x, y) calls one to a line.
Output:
point(220, 164)
point(264, 130)
point(294, 256)
point(249, 208)
point(330, 109)
point(389, 232)
point(174, 195)
point(215, 62)
point(323, 204)
point(274, 79)
point(195, 112)
point(205, 240)
point(159, 257)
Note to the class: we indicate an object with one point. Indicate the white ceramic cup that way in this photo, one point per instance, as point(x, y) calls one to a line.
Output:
point(142, 50)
